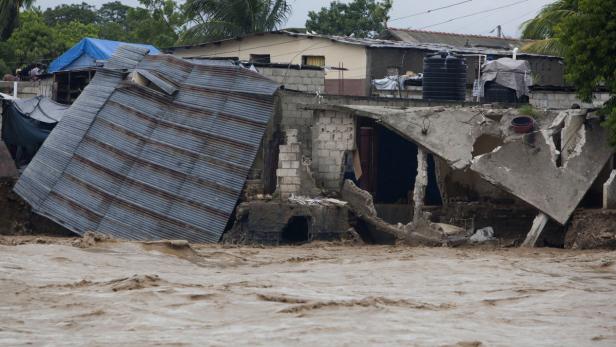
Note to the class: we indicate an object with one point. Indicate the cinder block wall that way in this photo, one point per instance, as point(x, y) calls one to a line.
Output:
point(294, 115)
point(564, 100)
point(333, 135)
point(294, 79)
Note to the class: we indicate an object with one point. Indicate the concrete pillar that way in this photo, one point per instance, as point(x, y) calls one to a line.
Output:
point(421, 181)
point(535, 231)
point(609, 192)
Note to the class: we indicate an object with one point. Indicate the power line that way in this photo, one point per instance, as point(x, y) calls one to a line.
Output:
point(474, 14)
point(430, 11)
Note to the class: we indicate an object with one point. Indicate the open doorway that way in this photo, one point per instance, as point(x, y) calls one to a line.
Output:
point(389, 167)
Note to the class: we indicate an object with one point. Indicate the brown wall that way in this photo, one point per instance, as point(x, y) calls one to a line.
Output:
point(352, 87)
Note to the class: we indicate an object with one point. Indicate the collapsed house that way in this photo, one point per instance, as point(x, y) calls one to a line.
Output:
point(162, 147)
point(437, 174)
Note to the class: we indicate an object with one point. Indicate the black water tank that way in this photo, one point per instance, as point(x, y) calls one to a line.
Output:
point(494, 92)
point(444, 77)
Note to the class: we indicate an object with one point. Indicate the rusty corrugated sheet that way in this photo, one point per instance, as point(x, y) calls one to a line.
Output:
point(140, 164)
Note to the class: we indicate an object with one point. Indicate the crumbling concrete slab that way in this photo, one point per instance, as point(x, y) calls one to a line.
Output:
point(527, 168)
point(450, 133)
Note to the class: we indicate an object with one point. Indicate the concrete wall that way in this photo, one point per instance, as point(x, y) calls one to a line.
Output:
point(563, 100)
point(302, 80)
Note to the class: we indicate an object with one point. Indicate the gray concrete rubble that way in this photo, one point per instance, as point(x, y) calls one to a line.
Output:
point(551, 168)
point(447, 132)
point(532, 169)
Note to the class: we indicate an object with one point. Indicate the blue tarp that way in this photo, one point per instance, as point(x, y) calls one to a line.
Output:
point(87, 51)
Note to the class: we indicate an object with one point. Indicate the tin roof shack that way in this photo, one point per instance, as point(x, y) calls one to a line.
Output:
point(353, 62)
point(156, 147)
point(74, 69)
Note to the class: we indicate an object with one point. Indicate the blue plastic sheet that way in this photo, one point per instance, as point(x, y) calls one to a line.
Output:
point(87, 51)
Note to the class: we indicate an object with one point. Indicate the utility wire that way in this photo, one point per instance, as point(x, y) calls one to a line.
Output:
point(430, 11)
point(474, 14)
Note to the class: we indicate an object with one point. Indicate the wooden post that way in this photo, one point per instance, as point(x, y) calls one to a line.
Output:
point(421, 181)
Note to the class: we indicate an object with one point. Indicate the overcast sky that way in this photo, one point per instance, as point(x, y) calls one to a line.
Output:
point(513, 13)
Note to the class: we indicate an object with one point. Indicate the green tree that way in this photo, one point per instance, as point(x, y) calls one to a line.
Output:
point(360, 18)
point(590, 40)
point(113, 21)
point(65, 14)
point(113, 12)
point(33, 40)
point(67, 35)
point(543, 27)
point(9, 15)
point(160, 23)
point(218, 19)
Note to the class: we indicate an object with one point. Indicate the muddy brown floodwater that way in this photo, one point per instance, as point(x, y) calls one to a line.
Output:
point(67, 292)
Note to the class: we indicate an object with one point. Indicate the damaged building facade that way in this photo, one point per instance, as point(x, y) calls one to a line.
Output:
point(158, 146)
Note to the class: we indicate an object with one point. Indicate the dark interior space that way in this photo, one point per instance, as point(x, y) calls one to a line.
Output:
point(396, 165)
point(69, 84)
point(296, 231)
point(389, 165)
point(594, 195)
point(433, 194)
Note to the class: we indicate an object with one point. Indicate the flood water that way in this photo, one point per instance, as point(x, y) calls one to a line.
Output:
point(121, 293)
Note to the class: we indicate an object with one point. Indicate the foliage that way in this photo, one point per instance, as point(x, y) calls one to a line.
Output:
point(65, 14)
point(113, 12)
point(33, 40)
point(589, 38)
point(528, 110)
point(217, 19)
point(359, 18)
point(160, 23)
point(543, 27)
point(9, 15)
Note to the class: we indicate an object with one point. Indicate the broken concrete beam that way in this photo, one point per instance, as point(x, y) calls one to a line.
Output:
point(609, 192)
point(421, 181)
point(447, 132)
point(535, 231)
point(526, 168)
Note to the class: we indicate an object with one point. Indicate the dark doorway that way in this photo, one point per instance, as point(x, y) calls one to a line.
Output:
point(297, 231)
point(389, 165)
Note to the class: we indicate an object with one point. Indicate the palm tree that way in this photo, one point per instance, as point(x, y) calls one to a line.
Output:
point(543, 27)
point(9, 15)
point(217, 19)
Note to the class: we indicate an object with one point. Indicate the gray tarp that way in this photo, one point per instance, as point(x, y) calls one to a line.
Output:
point(26, 123)
point(514, 74)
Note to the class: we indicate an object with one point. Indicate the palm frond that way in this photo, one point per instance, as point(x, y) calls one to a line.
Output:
point(546, 46)
point(543, 26)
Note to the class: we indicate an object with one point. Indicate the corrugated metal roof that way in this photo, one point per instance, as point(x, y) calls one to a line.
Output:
point(455, 40)
point(140, 164)
point(377, 43)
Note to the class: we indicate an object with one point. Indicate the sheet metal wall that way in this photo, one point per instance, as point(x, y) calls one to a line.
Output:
point(140, 164)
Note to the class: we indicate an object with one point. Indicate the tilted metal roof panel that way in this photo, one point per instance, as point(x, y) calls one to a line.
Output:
point(137, 163)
